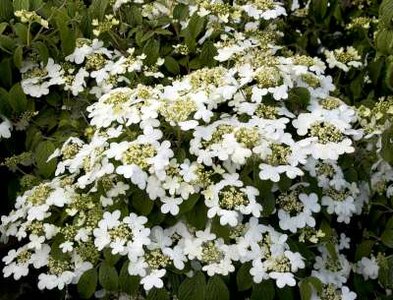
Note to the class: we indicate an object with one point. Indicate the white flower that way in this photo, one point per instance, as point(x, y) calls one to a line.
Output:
point(153, 280)
point(171, 204)
point(5, 128)
point(368, 267)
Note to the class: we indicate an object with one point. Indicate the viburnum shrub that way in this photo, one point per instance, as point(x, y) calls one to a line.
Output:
point(244, 166)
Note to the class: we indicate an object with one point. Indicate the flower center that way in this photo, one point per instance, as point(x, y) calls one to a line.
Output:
point(211, 253)
point(326, 133)
point(138, 154)
point(231, 198)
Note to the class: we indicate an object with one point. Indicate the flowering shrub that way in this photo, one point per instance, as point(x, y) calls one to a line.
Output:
point(212, 154)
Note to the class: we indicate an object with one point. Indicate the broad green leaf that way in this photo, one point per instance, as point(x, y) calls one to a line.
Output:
point(216, 289)
point(111, 259)
point(17, 99)
point(128, 284)
point(21, 4)
point(207, 55)
point(18, 56)
point(141, 202)
point(108, 277)
point(152, 51)
point(264, 290)
point(6, 72)
point(387, 145)
point(87, 284)
point(6, 10)
point(97, 9)
point(42, 152)
point(387, 238)
point(67, 33)
point(22, 33)
point(42, 51)
point(386, 273)
point(193, 288)
point(189, 204)
point(243, 277)
point(158, 294)
point(197, 217)
point(5, 106)
point(172, 65)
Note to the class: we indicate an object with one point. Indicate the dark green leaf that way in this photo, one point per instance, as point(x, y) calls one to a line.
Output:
point(244, 278)
point(42, 51)
point(42, 152)
point(387, 145)
point(387, 238)
point(207, 55)
point(216, 289)
point(6, 9)
point(108, 277)
point(87, 284)
point(18, 56)
point(21, 4)
point(17, 99)
point(172, 65)
point(158, 294)
point(141, 202)
point(263, 290)
point(193, 288)
point(128, 284)
point(189, 204)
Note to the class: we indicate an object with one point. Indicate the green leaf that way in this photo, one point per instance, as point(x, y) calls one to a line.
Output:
point(5, 106)
point(384, 41)
point(298, 99)
point(87, 284)
point(97, 9)
point(17, 99)
point(108, 277)
point(264, 290)
point(193, 288)
point(385, 275)
point(189, 204)
point(307, 285)
point(6, 72)
point(141, 202)
point(110, 258)
point(18, 56)
point(386, 13)
point(364, 249)
point(21, 31)
point(42, 51)
point(152, 51)
point(207, 55)
point(67, 33)
point(128, 284)
point(216, 289)
point(387, 145)
point(21, 4)
point(42, 152)
point(172, 65)
point(158, 294)
point(319, 8)
point(7, 44)
point(6, 10)
point(387, 238)
point(180, 12)
point(220, 230)
point(305, 290)
point(197, 217)
point(243, 277)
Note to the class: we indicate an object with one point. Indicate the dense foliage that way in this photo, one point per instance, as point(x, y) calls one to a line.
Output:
point(198, 149)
